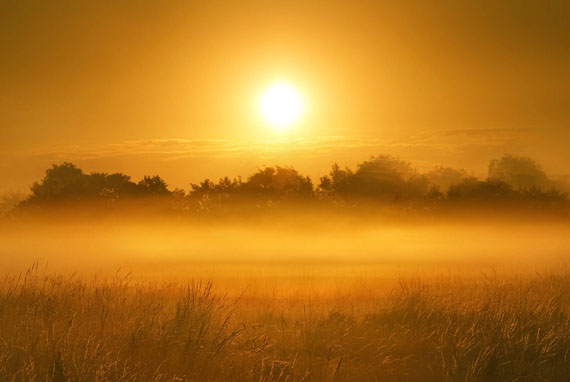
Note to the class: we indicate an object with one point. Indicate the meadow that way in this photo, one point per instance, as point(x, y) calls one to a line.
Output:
point(284, 301)
point(492, 328)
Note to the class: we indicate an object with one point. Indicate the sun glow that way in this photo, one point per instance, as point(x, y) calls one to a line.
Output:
point(280, 105)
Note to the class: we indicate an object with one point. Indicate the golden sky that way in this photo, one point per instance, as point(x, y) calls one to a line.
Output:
point(169, 87)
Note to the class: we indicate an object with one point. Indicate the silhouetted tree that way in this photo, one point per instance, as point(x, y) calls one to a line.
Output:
point(337, 183)
point(61, 182)
point(66, 182)
point(118, 186)
point(382, 177)
point(153, 185)
point(444, 177)
point(224, 188)
point(474, 190)
point(512, 180)
point(279, 183)
point(434, 193)
point(270, 184)
point(519, 172)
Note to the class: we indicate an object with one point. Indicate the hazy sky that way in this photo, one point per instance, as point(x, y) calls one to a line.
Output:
point(169, 87)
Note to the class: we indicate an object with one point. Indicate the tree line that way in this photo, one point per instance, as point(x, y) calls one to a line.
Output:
point(386, 179)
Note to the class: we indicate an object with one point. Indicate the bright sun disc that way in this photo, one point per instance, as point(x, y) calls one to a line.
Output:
point(280, 105)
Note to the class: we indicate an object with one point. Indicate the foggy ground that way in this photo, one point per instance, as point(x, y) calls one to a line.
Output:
point(337, 298)
point(293, 248)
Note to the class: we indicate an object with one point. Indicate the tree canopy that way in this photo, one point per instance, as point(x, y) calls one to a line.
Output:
point(66, 182)
point(519, 172)
point(382, 179)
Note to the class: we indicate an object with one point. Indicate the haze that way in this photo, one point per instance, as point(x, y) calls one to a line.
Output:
point(284, 191)
point(170, 87)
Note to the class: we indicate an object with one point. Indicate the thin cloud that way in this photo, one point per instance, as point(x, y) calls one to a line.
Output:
point(168, 149)
point(182, 160)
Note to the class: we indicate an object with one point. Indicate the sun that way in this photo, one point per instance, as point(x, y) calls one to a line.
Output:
point(280, 105)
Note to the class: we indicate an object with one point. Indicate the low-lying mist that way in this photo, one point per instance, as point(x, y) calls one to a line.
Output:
point(283, 246)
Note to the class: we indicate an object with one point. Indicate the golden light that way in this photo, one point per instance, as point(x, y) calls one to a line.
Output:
point(280, 105)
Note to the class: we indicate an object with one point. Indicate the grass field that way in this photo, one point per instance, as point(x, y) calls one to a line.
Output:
point(303, 300)
point(433, 328)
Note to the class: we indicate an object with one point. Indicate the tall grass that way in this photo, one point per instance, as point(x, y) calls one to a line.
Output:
point(494, 328)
